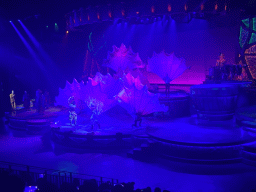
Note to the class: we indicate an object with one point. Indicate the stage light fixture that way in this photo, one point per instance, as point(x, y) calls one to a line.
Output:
point(216, 7)
point(55, 24)
point(153, 9)
point(67, 32)
point(202, 7)
point(169, 8)
point(10, 21)
point(186, 7)
point(18, 20)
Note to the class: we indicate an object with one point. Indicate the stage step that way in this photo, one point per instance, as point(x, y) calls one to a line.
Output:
point(144, 152)
point(249, 154)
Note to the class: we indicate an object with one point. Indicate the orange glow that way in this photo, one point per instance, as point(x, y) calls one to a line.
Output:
point(153, 9)
point(169, 8)
point(67, 32)
point(109, 14)
point(98, 15)
point(137, 12)
point(186, 7)
point(226, 7)
point(202, 7)
point(216, 7)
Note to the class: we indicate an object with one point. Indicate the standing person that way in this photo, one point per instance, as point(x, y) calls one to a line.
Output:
point(47, 99)
point(222, 64)
point(26, 100)
point(38, 100)
point(72, 110)
point(167, 81)
point(12, 100)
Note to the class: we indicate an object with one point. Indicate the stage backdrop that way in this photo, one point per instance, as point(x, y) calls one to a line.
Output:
point(199, 42)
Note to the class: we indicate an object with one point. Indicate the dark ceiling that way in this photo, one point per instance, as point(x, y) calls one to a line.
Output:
point(56, 9)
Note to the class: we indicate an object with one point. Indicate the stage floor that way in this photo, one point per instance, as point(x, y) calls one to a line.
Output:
point(189, 130)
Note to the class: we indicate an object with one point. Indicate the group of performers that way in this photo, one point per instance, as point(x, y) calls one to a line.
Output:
point(224, 71)
point(42, 101)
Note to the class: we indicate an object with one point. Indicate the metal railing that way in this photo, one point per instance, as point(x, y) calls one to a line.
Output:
point(31, 174)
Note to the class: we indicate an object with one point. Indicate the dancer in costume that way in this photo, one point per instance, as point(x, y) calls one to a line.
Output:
point(12, 100)
point(96, 108)
point(72, 112)
point(167, 81)
point(138, 118)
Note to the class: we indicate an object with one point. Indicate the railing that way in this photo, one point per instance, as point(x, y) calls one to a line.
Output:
point(31, 174)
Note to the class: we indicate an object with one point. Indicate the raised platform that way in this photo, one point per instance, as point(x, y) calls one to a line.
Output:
point(31, 121)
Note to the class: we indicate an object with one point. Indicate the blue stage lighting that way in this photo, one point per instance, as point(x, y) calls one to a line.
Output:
point(18, 20)
point(10, 21)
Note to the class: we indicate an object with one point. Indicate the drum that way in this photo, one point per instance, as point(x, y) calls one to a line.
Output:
point(214, 101)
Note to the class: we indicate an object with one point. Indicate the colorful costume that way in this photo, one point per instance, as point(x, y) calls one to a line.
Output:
point(72, 112)
point(12, 100)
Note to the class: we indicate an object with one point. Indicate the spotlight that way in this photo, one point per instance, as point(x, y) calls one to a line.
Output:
point(18, 20)
point(47, 26)
point(10, 21)
point(186, 7)
point(169, 8)
point(202, 7)
point(110, 14)
point(137, 12)
point(55, 24)
point(67, 32)
point(226, 7)
point(153, 9)
point(216, 7)
point(123, 12)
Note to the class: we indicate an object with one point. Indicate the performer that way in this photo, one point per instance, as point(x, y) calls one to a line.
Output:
point(96, 108)
point(39, 101)
point(12, 100)
point(72, 112)
point(26, 100)
point(222, 64)
point(221, 61)
point(138, 119)
point(47, 99)
point(167, 81)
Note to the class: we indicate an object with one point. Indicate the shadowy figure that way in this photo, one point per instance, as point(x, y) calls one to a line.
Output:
point(72, 110)
point(26, 100)
point(138, 118)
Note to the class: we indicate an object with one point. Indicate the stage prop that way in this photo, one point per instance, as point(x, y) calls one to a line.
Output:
point(73, 89)
point(123, 59)
point(140, 102)
point(214, 101)
point(166, 66)
point(247, 41)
